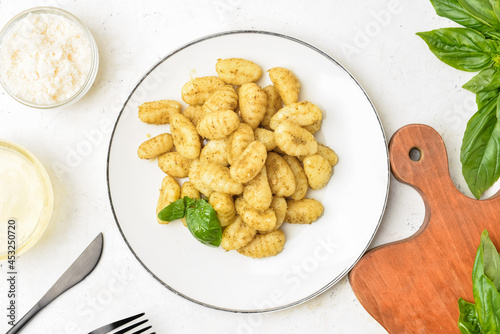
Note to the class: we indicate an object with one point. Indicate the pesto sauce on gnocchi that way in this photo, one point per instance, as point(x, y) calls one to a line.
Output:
point(249, 153)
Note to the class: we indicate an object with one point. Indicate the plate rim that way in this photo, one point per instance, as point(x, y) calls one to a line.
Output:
point(334, 280)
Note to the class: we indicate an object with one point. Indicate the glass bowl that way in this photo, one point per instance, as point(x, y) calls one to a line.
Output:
point(89, 77)
point(26, 200)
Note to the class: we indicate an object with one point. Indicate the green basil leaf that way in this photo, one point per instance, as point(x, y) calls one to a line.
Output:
point(203, 223)
point(173, 211)
point(488, 79)
point(481, 148)
point(484, 97)
point(478, 269)
point(487, 300)
point(481, 10)
point(467, 321)
point(462, 48)
point(454, 11)
point(495, 5)
point(491, 260)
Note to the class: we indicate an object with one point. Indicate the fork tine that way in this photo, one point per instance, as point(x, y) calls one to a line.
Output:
point(142, 330)
point(109, 327)
point(129, 328)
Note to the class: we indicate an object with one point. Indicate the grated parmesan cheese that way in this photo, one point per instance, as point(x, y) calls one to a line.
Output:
point(45, 59)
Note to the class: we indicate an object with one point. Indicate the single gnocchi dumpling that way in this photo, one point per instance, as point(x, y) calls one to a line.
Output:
point(218, 125)
point(237, 235)
point(259, 220)
point(294, 140)
point(174, 164)
point(304, 211)
point(194, 175)
point(224, 98)
point(257, 193)
point(198, 90)
point(170, 191)
point(302, 113)
point(217, 178)
point(158, 112)
point(249, 163)
point(286, 83)
point(237, 71)
point(253, 104)
point(264, 245)
point(186, 139)
point(318, 171)
point(155, 146)
point(279, 175)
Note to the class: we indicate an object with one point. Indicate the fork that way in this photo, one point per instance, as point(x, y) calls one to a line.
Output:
point(117, 324)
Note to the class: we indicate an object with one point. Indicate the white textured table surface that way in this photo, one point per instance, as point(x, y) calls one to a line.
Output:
point(374, 40)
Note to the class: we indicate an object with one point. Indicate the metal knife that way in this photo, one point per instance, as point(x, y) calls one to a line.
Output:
point(82, 266)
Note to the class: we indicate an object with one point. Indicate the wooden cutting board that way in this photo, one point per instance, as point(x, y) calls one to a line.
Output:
point(413, 285)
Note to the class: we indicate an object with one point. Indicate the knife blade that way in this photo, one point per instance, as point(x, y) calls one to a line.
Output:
point(80, 268)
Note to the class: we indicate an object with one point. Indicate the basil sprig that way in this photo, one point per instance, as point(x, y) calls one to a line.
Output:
point(201, 219)
point(484, 315)
point(475, 47)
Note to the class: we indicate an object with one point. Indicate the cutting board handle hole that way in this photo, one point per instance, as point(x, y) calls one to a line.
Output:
point(415, 154)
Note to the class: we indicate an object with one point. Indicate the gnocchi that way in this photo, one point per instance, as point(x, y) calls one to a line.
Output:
point(259, 220)
point(294, 140)
point(218, 125)
point(198, 90)
point(318, 171)
point(186, 139)
point(170, 191)
point(158, 112)
point(304, 211)
point(257, 192)
point(249, 163)
point(155, 146)
point(237, 71)
point(264, 245)
point(286, 83)
point(253, 104)
point(174, 164)
point(237, 235)
point(280, 175)
point(250, 151)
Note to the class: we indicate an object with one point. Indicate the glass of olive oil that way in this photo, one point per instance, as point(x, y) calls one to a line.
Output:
point(26, 199)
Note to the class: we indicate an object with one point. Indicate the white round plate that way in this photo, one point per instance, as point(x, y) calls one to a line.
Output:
point(316, 256)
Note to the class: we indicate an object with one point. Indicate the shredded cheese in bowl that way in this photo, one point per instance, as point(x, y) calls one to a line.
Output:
point(47, 58)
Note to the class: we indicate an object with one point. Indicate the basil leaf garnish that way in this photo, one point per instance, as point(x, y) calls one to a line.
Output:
point(462, 48)
point(486, 80)
point(454, 11)
point(484, 97)
point(468, 322)
point(201, 219)
point(175, 210)
point(203, 223)
point(481, 10)
point(484, 315)
point(481, 148)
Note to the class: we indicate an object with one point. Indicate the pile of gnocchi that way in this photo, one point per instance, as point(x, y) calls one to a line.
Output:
point(250, 151)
